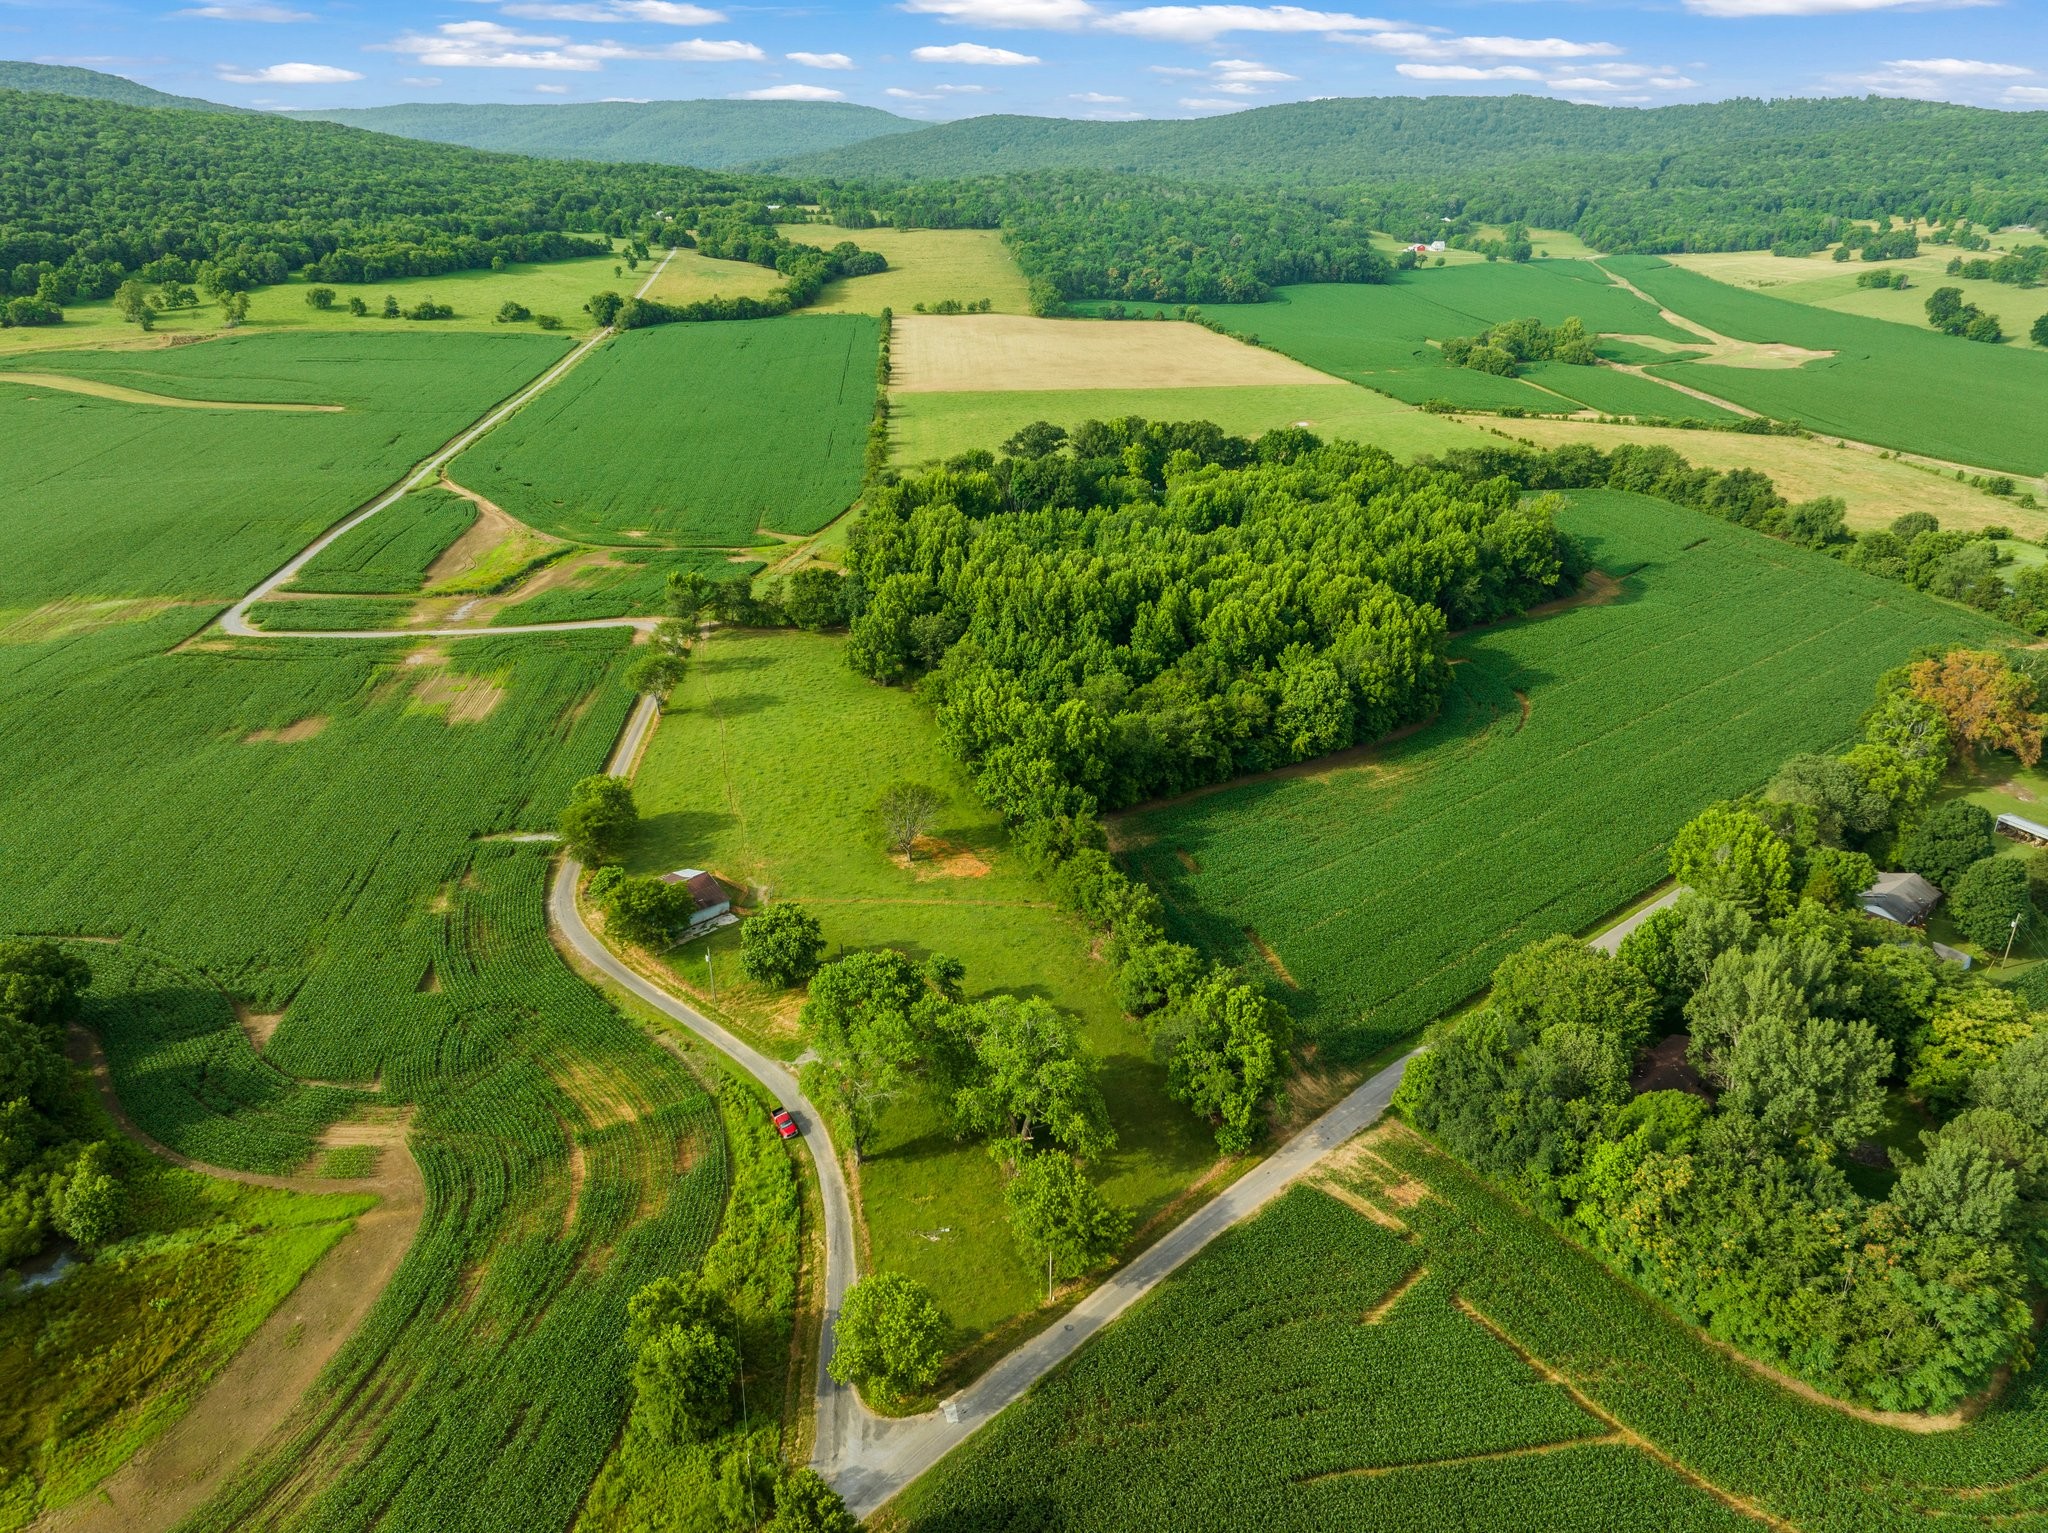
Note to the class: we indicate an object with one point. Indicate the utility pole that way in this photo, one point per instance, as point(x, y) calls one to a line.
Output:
point(708, 969)
point(2009, 936)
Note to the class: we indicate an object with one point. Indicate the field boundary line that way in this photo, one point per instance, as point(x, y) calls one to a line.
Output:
point(1535, 1450)
point(1622, 1431)
point(236, 619)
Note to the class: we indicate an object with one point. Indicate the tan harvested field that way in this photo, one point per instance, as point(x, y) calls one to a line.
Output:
point(1876, 490)
point(983, 353)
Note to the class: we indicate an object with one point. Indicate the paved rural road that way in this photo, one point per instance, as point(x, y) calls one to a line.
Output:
point(236, 619)
point(869, 1458)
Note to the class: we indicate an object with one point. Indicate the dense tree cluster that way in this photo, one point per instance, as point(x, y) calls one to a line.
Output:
point(1961, 566)
point(2025, 267)
point(1502, 349)
point(54, 1177)
point(1146, 608)
point(1947, 312)
point(1732, 1202)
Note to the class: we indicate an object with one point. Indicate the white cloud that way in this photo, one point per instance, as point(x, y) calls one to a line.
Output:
point(487, 45)
point(1247, 71)
point(1007, 13)
point(791, 93)
point(664, 12)
point(1204, 104)
point(1955, 68)
point(820, 60)
point(1112, 116)
point(1672, 82)
point(2026, 93)
point(1465, 72)
point(965, 90)
point(910, 95)
point(1581, 82)
point(1096, 98)
point(1533, 48)
point(1819, 7)
point(1206, 23)
point(289, 74)
point(249, 12)
point(972, 53)
point(423, 81)
point(552, 90)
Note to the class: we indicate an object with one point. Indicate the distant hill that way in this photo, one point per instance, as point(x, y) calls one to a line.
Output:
point(1416, 138)
point(712, 135)
point(63, 80)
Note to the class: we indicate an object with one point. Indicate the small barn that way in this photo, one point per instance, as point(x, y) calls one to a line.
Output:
point(2020, 828)
point(708, 898)
point(1906, 898)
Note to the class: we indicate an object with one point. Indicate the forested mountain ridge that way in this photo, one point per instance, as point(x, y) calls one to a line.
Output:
point(90, 190)
point(1732, 174)
point(712, 135)
point(92, 85)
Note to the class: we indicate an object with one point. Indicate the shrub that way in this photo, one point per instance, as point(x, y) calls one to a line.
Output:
point(781, 945)
point(891, 1335)
point(599, 818)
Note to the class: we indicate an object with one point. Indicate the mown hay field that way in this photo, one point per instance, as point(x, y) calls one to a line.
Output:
point(1899, 386)
point(1408, 1350)
point(128, 500)
point(943, 354)
point(1569, 749)
point(926, 428)
point(926, 266)
point(695, 434)
point(1380, 334)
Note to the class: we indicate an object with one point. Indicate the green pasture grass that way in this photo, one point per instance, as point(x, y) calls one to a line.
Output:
point(1379, 334)
point(691, 276)
point(560, 288)
point(125, 500)
point(926, 266)
point(925, 428)
point(1143, 1429)
point(1391, 885)
point(393, 549)
point(311, 828)
point(1899, 386)
point(764, 771)
point(696, 434)
point(103, 1360)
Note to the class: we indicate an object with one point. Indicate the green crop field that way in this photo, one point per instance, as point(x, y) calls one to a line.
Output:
point(332, 616)
point(393, 549)
point(631, 582)
point(1613, 392)
point(1897, 385)
point(1380, 334)
point(1390, 887)
point(764, 771)
point(924, 428)
point(125, 500)
point(692, 434)
point(1306, 1410)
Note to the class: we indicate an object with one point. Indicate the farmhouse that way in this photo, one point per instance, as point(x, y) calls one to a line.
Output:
point(711, 905)
point(2022, 829)
point(1902, 897)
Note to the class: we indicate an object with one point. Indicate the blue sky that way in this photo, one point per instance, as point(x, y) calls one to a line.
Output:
point(1072, 58)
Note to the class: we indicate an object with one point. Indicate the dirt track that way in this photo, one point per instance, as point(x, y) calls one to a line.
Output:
point(252, 1396)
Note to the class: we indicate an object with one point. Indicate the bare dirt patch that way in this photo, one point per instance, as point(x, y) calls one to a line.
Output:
point(1273, 960)
point(941, 859)
point(968, 353)
point(64, 383)
point(2017, 790)
point(492, 529)
point(72, 616)
point(1596, 589)
point(1379, 1312)
point(258, 1026)
point(578, 1173)
point(1722, 350)
point(306, 728)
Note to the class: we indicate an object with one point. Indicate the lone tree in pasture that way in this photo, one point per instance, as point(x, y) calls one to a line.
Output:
point(1057, 1213)
point(2039, 334)
point(874, 1018)
point(599, 818)
point(781, 945)
point(1032, 1083)
point(891, 1336)
point(321, 298)
point(905, 811)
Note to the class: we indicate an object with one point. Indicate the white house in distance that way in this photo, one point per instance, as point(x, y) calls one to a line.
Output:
point(711, 905)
